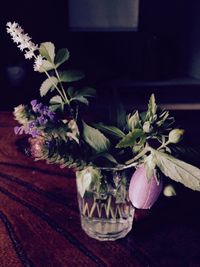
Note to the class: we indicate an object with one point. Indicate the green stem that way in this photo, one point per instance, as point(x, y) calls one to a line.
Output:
point(141, 154)
point(63, 90)
point(62, 96)
point(163, 145)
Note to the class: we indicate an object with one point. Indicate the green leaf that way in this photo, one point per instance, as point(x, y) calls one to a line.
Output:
point(61, 56)
point(178, 170)
point(133, 121)
point(46, 66)
point(71, 91)
point(162, 118)
point(56, 103)
point(152, 108)
point(80, 95)
point(56, 100)
point(110, 130)
point(48, 84)
point(110, 158)
point(47, 50)
point(95, 138)
point(81, 99)
point(71, 75)
point(86, 92)
point(130, 139)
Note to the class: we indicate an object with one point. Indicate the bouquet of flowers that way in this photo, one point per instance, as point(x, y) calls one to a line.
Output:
point(58, 133)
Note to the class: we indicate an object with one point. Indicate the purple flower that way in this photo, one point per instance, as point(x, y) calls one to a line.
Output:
point(34, 132)
point(16, 129)
point(36, 107)
point(45, 113)
point(33, 103)
point(20, 129)
point(51, 115)
point(32, 124)
point(42, 120)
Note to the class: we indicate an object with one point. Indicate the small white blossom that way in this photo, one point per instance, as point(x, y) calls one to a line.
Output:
point(21, 39)
point(29, 54)
point(38, 63)
point(22, 46)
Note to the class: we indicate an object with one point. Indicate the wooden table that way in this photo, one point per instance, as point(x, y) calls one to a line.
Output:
point(39, 220)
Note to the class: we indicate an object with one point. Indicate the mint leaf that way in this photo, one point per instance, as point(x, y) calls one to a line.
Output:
point(71, 75)
point(133, 121)
point(81, 99)
point(61, 56)
point(95, 138)
point(86, 91)
point(56, 100)
point(110, 158)
point(47, 50)
point(81, 95)
point(130, 139)
point(56, 103)
point(46, 66)
point(71, 91)
point(112, 130)
point(178, 170)
point(48, 84)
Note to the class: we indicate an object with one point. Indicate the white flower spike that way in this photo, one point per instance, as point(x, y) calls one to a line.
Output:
point(21, 39)
point(38, 63)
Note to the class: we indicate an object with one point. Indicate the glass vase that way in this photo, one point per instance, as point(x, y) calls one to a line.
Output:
point(105, 210)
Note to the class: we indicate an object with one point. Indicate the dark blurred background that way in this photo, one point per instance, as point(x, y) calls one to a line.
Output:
point(141, 47)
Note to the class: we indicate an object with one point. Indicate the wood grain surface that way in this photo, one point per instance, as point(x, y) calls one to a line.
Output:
point(40, 225)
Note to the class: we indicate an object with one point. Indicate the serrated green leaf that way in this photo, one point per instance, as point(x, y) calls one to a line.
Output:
point(56, 100)
point(130, 139)
point(110, 158)
point(71, 91)
point(133, 121)
point(46, 66)
point(110, 130)
point(178, 170)
point(54, 107)
point(61, 56)
point(71, 75)
point(86, 92)
point(47, 50)
point(95, 138)
point(80, 95)
point(81, 99)
point(48, 84)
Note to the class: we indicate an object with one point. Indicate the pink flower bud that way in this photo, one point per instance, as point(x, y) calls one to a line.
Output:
point(143, 193)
